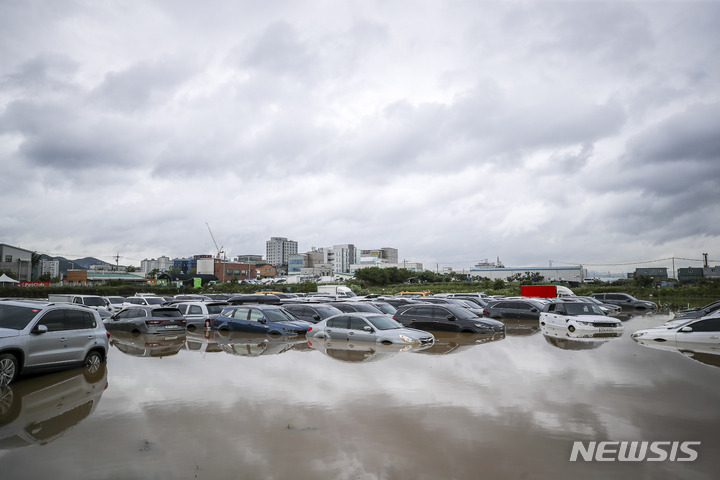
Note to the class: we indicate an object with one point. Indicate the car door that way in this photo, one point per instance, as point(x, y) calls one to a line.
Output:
point(420, 317)
point(703, 331)
point(526, 311)
point(555, 314)
point(358, 332)
point(444, 320)
point(53, 346)
point(337, 327)
point(257, 322)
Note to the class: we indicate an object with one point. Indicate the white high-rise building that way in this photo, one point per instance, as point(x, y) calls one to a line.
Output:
point(51, 267)
point(344, 256)
point(279, 249)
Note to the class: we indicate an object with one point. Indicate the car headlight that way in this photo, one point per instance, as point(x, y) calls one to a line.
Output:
point(407, 339)
point(637, 334)
point(583, 323)
point(483, 326)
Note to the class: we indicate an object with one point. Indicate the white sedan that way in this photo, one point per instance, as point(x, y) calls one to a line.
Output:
point(579, 316)
point(368, 327)
point(704, 330)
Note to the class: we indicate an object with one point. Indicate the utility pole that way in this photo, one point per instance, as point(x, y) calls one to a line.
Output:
point(705, 260)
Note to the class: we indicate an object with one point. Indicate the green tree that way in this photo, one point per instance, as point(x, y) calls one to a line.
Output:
point(498, 284)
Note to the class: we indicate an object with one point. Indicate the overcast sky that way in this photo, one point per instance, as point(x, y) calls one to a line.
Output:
point(532, 131)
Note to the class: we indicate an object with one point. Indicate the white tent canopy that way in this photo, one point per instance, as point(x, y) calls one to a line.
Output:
point(5, 279)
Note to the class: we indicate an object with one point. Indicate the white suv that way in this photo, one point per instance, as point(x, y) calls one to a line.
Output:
point(37, 336)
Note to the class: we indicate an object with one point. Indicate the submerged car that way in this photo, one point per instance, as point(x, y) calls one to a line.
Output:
point(369, 327)
point(625, 301)
point(514, 308)
point(37, 336)
point(448, 318)
point(698, 311)
point(579, 316)
point(560, 337)
point(147, 319)
point(699, 330)
point(265, 319)
point(200, 314)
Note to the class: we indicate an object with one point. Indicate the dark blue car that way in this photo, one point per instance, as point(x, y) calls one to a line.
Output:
point(264, 319)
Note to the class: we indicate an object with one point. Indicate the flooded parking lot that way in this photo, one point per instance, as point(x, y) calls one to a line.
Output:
point(470, 406)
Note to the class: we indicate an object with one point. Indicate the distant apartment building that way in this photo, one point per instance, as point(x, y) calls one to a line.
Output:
point(17, 261)
point(50, 267)
point(162, 264)
point(343, 256)
point(296, 263)
point(279, 249)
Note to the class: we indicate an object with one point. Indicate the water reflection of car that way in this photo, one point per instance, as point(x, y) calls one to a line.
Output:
point(445, 318)
point(253, 345)
point(263, 319)
point(357, 352)
point(455, 342)
point(203, 341)
point(41, 409)
point(148, 344)
point(147, 319)
point(559, 336)
point(368, 327)
point(707, 353)
point(579, 316)
point(704, 330)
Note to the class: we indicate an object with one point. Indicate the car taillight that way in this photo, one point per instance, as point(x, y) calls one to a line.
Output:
point(153, 322)
point(108, 334)
point(309, 328)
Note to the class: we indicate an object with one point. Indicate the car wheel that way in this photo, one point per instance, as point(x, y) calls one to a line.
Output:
point(8, 369)
point(10, 407)
point(571, 328)
point(93, 360)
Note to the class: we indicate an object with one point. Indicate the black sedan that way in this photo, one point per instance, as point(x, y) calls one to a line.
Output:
point(448, 318)
point(514, 308)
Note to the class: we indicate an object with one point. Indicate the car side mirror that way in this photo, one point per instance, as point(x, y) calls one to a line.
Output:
point(686, 329)
point(534, 310)
point(451, 317)
point(368, 328)
point(316, 317)
point(40, 329)
point(262, 320)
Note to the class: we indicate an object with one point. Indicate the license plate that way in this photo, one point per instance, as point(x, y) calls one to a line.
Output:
point(607, 330)
point(174, 337)
point(172, 326)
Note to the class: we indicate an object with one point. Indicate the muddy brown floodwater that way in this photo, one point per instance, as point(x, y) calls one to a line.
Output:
point(467, 408)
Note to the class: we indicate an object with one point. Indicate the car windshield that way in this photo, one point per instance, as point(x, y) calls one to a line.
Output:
point(582, 309)
point(278, 315)
point(16, 317)
point(326, 312)
point(385, 307)
point(94, 302)
point(215, 308)
point(166, 312)
point(383, 322)
point(116, 300)
point(154, 300)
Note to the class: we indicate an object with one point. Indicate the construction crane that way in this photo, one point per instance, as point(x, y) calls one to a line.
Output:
point(219, 249)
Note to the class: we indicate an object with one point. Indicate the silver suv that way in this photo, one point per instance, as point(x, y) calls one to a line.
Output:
point(37, 336)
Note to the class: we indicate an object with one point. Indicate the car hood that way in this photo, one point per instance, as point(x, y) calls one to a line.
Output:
point(487, 321)
point(8, 332)
point(295, 323)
